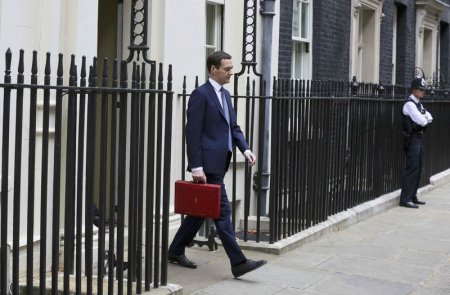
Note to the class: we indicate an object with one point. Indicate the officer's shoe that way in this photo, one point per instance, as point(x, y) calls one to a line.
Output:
point(409, 205)
point(417, 202)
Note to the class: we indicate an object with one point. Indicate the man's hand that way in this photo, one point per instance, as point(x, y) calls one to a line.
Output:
point(198, 176)
point(250, 157)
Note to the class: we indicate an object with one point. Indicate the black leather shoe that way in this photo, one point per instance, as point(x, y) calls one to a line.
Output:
point(417, 202)
point(409, 205)
point(245, 267)
point(181, 260)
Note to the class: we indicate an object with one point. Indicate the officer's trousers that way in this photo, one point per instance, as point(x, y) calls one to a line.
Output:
point(413, 165)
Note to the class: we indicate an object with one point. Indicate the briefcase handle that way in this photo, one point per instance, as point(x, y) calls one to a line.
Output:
point(197, 182)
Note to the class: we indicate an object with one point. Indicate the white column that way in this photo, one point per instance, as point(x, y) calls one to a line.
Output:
point(420, 15)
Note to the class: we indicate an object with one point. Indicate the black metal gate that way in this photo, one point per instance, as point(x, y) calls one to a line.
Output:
point(102, 199)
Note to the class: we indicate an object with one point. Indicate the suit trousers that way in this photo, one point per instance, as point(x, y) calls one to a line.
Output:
point(191, 224)
point(413, 166)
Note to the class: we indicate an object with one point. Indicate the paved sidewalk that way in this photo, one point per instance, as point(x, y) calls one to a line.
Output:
point(399, 251)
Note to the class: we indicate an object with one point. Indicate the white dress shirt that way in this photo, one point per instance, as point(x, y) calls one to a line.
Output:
point(410, 109)
point(217, 88)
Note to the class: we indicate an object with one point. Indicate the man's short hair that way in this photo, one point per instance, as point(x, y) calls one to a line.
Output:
point(215, 59)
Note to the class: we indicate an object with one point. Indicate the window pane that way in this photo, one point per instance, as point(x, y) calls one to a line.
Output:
point(301, 59)
point(304, 21)
point(210, 24)
point(213, 40)
point(296, 19)
point(297, 64)
point(209, 50)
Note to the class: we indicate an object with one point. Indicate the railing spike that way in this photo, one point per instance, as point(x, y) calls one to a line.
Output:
point(59, 71)
point(152, 74)
point(115, 70)
point(169, 76)
point(161, 73)
point(138, 76)
point(143, 74)
point(8, 57)
point(123, 71)
point(34, 67)
point(48, 69)
point(83, 67)
point(20, 68)
point(133, 72)
point(94, 65)
point(91, 76)
point(72, 70)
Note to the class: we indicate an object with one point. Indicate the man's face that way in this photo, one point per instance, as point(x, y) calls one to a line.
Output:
point(418, 93)
point(222, 75)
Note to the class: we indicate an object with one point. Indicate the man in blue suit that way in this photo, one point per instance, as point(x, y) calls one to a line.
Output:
point(211, 131)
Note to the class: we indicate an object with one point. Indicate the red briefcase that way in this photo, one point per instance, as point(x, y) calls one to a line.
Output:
point(197, 199)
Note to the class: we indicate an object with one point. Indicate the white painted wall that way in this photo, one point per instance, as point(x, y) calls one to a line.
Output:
point(54, 26)
point(176, 36)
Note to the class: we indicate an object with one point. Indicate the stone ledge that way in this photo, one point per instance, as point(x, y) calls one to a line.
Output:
point(343, 219)
point(173, 289)
point(440, 178)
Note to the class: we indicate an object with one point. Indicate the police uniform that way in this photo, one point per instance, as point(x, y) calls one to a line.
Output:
point(415, 120)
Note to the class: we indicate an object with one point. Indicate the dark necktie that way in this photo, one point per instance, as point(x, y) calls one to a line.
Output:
point(422, 109)
point(227, 116)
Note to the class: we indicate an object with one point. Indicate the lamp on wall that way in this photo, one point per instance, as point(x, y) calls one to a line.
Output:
point(418, 73)
point(354, 86)
point(381, 89)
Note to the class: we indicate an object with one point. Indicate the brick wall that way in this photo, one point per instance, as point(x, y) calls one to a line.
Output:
point(445, 49)
point(406, 24)
point(285, 45)
point(386, 35)
point(444, 31)
point(331, 39)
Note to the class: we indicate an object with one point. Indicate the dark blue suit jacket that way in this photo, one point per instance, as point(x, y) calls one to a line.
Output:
point(207, 131)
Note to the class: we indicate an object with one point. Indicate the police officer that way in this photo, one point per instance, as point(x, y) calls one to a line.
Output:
point(415, 120)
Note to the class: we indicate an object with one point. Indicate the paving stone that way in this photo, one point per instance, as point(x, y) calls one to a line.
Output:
point(399, 251)
point(378, 269)
point(240, 287)
point(421, 258)
point(430, 291)
point(305, 259)
point(338, 284)
point(283, 274)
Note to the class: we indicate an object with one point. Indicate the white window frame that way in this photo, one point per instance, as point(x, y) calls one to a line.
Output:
point(218, 27)
point(308, 21)
point(428, 17)
point(359, 6)
point(306, 69)
point(394, 45)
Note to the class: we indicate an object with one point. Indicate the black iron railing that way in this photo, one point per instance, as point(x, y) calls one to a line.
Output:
point(333, 145)
point(92, 193)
